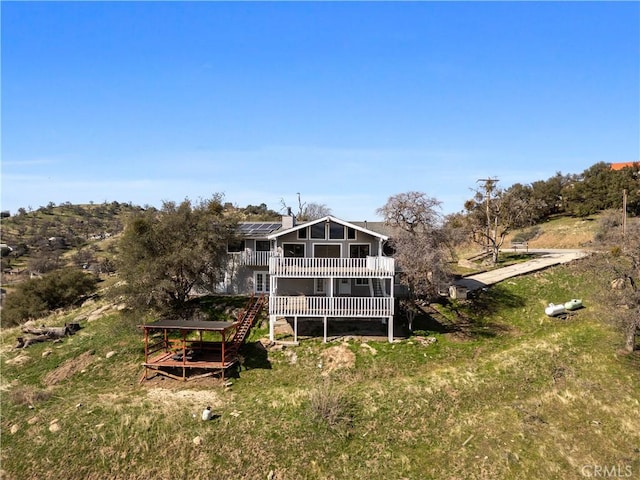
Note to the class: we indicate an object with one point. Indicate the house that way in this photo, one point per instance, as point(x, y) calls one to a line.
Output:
point(325, 269)
point(620, 166)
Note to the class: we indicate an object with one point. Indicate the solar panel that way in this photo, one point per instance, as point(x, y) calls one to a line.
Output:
point(255, 228)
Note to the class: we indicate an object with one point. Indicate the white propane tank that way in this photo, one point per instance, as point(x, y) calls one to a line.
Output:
point(554, 310)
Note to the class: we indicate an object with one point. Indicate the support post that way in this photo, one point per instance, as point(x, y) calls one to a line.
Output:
point(272, 327)
point(391, 329)
point(295, 329)
point(324, 319)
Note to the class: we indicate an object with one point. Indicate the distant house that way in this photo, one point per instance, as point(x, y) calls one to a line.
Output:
point(323, 269)
point(620, 166)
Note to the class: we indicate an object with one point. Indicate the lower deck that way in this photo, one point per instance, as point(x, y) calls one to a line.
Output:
point(209, 358)
point(326, 322)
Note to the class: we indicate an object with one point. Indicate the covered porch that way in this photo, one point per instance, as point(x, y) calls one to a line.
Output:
point(175, 347)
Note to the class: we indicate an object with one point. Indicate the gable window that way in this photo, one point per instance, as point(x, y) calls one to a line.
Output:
point(318, 231)
point(359, 251)
point(351, 233)
point(237, 246)
point(336, 231)
point(263, 245)
point(302, 234)
point(294, 250)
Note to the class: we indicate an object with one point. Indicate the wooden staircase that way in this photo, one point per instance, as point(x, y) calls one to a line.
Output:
point(247, 319)
point(377, 288)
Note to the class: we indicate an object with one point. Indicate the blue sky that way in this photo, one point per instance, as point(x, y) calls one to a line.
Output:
point(346, 103)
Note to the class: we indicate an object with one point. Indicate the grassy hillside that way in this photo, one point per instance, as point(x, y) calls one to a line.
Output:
point(504, 392)
point(561, 232)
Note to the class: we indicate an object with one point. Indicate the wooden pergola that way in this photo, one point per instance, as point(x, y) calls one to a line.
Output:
point(165, 353)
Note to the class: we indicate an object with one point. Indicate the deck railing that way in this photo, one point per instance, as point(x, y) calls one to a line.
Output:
point(331, 306)
point(252, 258)
point(332, 267)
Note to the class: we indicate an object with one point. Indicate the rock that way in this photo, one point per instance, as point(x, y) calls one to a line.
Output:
point(46, 353)
point(14, 428)
point(197, 440)
point(110, 354)
point(33, 420)
point(426, 341)
point(54, 426)
point(618, 284)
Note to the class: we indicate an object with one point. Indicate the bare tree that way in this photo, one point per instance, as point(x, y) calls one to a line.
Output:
point(492, 213)
point(420, 244)
point(307, 211)
point(620, 264)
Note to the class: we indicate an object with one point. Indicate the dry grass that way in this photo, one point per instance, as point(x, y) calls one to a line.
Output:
point(528, 397)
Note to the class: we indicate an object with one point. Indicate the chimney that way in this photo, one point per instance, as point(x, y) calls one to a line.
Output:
point(288, 220)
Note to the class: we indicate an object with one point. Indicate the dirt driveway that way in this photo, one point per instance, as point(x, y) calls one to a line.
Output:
point(545, 258)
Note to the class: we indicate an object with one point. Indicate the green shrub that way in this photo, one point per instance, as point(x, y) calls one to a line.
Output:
point(36, 297)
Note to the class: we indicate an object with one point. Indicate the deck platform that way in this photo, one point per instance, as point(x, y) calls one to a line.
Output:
point(166, 354)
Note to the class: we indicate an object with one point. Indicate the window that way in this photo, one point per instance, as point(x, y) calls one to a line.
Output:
point(362, 282)
point(302, 234)
point(263, 245)
point(359, 251)
point(336, 231)
point(351, 233)
point(237, 246)
point(261, 282)
point(319, 285)
point(326, 251)
point(318, 231)
point(295, 250)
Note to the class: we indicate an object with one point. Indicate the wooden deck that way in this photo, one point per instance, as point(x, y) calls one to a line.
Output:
point(208, 359)
point(165, 354)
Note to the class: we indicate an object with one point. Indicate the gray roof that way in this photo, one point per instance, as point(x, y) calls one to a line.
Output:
point(330, 218)
point(176, 324)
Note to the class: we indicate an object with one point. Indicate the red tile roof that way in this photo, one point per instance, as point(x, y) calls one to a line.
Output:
point(620, 166)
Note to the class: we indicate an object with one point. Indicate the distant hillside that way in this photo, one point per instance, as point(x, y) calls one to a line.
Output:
point(569, 232)
point(67, 234)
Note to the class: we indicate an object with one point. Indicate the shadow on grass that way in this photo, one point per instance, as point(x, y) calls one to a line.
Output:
point(254, 355)
point(489, 301)
point(469, 319)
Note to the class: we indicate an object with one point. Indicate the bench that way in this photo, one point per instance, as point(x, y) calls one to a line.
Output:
point(521, 245)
